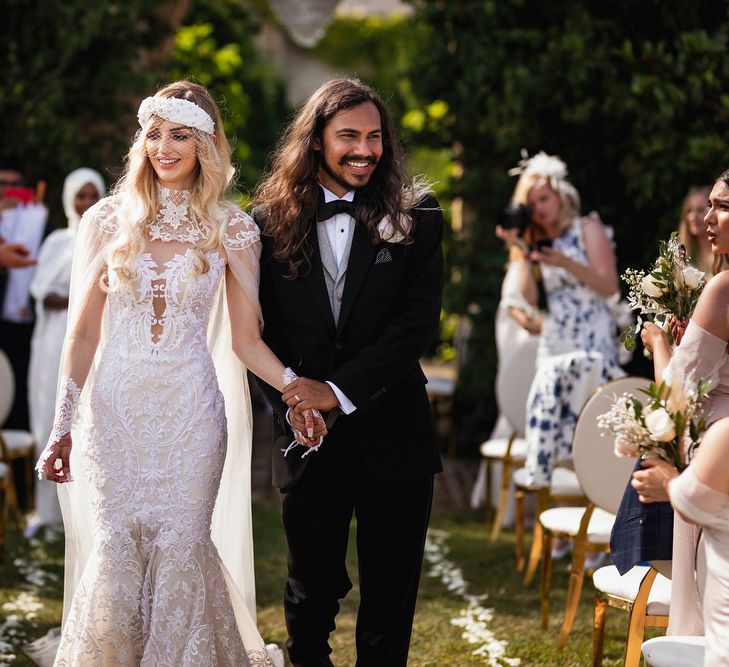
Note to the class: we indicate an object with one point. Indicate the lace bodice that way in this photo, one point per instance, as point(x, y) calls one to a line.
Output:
point(164, 311)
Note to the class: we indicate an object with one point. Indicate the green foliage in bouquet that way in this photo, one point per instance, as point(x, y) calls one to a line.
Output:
point(672, 287)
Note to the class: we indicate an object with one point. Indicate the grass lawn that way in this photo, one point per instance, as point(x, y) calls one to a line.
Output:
point(31, 594)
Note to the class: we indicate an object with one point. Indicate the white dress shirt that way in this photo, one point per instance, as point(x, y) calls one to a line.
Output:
point(338, 230)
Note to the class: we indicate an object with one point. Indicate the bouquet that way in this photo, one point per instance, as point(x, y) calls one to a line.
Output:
point(672, 287)
point(663, 425)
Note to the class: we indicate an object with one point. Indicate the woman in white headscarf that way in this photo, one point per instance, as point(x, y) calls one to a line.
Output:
point(81, 190)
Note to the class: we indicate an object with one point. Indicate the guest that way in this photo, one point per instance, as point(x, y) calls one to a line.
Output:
point(700, 496)
point(692, 232)
point(22, 226)
point(49, 287)
point(577, 349)
point(701, 353)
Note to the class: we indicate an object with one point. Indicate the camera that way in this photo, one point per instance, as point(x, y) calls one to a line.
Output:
point(518, 217)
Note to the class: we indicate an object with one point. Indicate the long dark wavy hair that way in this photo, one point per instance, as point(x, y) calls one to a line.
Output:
point(290, 189)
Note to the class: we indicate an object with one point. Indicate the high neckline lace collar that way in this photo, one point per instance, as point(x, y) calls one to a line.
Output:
point(173, 221)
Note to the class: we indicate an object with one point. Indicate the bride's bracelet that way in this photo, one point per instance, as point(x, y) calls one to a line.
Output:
point(289, 376)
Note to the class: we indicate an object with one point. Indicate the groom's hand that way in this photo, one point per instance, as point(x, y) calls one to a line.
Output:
point(303, 394)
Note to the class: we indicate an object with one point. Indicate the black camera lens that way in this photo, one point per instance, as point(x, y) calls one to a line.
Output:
point(518, 217)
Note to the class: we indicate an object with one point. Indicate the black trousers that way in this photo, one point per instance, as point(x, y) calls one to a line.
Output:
point(392, 519)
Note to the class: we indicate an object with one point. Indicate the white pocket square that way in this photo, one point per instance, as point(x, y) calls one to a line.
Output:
point(383, 256)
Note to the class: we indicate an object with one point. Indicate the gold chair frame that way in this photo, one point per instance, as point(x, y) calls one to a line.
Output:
point(639, 620)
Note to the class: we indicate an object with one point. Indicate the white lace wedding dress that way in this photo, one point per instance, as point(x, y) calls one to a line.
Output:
point(149, 448)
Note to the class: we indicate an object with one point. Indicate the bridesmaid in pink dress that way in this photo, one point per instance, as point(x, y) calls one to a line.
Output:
point(702, 352)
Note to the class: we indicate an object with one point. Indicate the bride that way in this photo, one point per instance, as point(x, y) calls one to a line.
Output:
point(163, 310)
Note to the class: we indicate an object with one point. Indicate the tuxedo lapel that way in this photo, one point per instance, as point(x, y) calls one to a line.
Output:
point(360, 260)
point(315, 279)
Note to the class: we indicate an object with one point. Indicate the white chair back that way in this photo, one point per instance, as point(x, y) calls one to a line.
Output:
point(7, 387)
point(514, 381)
point(602, 475)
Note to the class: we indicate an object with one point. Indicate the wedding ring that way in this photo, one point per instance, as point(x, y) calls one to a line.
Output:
point(296, 396)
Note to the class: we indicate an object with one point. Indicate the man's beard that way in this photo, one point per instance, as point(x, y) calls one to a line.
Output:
point(338, 179)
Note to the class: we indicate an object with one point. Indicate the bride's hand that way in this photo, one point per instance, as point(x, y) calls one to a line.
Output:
point(57, 466)
point(309, 426)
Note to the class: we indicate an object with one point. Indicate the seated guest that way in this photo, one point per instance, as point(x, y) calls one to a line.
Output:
point(692, 231)
point(577, 350)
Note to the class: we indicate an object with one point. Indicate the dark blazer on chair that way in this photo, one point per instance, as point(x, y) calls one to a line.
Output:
point(642, 531)
point(389, 316)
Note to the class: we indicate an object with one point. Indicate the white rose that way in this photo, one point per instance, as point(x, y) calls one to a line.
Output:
point(660, 425)
point(650, 287)
point(692, 277)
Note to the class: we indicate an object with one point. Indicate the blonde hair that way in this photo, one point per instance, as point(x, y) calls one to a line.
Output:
point(137, 189)
point(684, 234)
point(567, 193)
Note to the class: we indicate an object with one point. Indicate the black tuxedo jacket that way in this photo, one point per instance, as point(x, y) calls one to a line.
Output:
point(389, 317)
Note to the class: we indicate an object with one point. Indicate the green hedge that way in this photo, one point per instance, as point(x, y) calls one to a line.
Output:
point(631, 94)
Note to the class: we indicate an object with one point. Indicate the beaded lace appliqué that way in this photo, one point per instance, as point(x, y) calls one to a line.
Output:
point(173, 222)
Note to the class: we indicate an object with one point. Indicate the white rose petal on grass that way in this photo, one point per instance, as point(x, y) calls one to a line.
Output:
point(692, 277)
point(660, 425)
point(650, 287)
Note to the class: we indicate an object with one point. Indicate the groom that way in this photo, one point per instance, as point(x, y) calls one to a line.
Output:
point(351, 282)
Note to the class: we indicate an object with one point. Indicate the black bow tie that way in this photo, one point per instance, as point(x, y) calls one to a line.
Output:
point(326, 210)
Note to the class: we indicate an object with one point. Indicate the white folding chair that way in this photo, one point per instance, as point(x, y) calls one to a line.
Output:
point(14, 444)
point(675, 651)
point(602, 477)
point(512, 389)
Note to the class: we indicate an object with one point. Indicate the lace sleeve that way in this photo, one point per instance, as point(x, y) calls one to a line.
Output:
point(241, 231)
point(242, 243)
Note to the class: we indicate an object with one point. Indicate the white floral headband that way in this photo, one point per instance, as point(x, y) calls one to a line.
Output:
point(541, 164)
point(176, 110)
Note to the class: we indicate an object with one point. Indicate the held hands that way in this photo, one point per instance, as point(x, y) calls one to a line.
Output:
point(305, 394)
point(57, 461)
point(651, 483)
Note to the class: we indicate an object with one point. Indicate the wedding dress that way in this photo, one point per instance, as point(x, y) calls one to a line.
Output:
point(153, 467)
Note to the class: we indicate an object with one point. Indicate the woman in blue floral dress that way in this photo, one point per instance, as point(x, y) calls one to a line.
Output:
point(577, 351)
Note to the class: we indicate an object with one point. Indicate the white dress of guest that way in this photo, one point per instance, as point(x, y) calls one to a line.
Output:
point(709, 508)
point(52, 276)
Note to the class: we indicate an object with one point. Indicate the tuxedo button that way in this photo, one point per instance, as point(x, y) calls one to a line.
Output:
point(337, 346)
